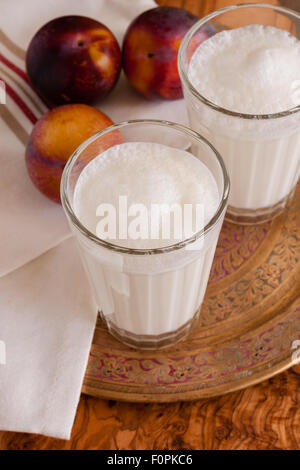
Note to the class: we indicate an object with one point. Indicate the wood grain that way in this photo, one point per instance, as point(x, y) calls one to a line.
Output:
point(266, 416)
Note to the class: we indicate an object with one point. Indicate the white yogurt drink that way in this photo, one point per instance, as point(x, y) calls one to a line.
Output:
point(148, 292)
point(149, 174)
point(147, 297)
point(240, 86)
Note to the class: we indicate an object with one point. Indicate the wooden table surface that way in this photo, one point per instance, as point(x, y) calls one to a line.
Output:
point(266, 416)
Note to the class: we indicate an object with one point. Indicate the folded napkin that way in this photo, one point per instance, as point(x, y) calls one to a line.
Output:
point(47, 316)
point(47, 330)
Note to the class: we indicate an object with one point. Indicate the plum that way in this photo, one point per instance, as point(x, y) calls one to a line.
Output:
point(150, 48)
point(54, 138)
point(73, 59)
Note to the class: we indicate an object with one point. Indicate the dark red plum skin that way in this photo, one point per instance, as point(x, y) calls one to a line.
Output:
point(150, 49)
point(61, 60)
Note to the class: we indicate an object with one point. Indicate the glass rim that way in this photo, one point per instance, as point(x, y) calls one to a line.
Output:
point(182, 55)
point(143, 251)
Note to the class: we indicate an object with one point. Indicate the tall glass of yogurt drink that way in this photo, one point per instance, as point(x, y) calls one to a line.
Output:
point(242, 92)
point(146, 201)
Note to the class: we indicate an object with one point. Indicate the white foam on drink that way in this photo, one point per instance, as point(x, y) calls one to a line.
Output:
point(254, 69)
point(146, 173)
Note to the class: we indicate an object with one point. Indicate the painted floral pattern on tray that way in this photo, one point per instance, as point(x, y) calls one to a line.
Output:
point(203, 366)
point(236, 244)
point(262, 280)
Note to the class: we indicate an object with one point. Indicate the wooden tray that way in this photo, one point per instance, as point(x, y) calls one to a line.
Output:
point(248, 324)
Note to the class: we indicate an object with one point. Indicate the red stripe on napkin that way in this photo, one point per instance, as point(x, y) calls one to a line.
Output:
point(15, 69)
point(21, 74)
point(20, 103)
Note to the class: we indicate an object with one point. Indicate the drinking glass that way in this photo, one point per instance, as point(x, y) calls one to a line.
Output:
point(261, 151)
point(149, 298)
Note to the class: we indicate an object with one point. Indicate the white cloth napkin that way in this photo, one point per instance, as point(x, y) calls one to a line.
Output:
point(47, 316)
point(47, 330)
